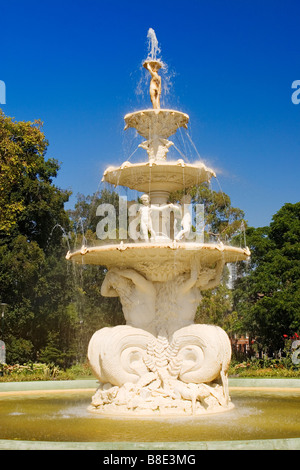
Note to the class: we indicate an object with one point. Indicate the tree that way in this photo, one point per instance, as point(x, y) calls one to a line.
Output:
point(267, 297)
point(31, 206)
point(216, 306)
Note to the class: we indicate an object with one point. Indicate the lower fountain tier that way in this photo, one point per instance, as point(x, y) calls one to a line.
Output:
point(160, 262)
point(160, 175)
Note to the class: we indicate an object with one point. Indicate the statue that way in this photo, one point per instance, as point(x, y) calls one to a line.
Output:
point(137, 296)
point(155, 83)
point(145, 218)
point(177, 301)
point(186, 219)
point(157, 148)
point(145, 215)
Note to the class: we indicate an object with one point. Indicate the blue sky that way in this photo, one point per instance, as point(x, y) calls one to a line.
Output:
point(76, 65)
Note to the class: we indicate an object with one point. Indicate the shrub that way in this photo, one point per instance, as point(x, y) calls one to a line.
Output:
point(31, 371)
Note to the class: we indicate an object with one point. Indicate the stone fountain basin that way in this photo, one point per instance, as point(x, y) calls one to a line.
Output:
point(167, 175)
point(53, 415)
point(149, 258)
point(156, 122)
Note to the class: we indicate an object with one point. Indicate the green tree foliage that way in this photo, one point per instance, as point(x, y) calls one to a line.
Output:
point(267, 294)
point(31, 278)
point(216, 307)
point(30, 203)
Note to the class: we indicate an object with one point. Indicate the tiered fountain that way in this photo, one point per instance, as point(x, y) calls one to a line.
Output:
point(160, 363)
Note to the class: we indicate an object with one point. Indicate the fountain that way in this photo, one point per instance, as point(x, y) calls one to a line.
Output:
point(160, 363)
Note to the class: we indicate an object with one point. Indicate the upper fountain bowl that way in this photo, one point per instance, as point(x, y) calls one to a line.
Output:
point(156, 122)
point(155, 64)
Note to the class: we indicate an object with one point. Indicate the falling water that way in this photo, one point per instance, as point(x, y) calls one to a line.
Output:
point(128, 159)
point(64, 235)
point(153, 53)
point(84, 240)
point(180, 153)
point(193, 145)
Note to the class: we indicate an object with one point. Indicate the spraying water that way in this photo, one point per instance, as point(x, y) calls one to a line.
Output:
point(154, 55)
point(152, 45)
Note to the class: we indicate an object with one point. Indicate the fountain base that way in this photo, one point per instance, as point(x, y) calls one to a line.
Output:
point(145, 375)
point(160, 405)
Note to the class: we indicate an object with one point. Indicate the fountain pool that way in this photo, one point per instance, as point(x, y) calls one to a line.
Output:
point(49, 415)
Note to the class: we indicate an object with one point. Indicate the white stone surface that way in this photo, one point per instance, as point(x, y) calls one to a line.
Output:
point(160, 359)
point(142, 374)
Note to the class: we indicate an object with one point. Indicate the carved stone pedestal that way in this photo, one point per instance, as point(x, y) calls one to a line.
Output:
point(160, 363)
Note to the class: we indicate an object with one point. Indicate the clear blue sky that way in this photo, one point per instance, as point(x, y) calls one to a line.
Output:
point(76, 65)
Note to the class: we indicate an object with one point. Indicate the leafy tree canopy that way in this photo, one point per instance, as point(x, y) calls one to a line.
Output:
point(30, 203)
point(267, 296)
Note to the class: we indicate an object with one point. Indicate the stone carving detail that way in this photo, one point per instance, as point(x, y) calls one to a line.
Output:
point(156, 148)
point(147, 374)
point(157, 173)
point(156, 122)
point(167, 305)
point(160, 361)
point(137, 296)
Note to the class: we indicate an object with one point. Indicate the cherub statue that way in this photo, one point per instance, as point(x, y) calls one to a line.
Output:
point(157, 148)
point(145, 218)
point(186, 219)
point(145, 212)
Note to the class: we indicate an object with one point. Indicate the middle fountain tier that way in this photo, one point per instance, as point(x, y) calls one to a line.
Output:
point(157, 177)
point(160, 363)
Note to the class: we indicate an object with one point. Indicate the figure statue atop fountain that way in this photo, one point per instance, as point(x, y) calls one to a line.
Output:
point(155, 83)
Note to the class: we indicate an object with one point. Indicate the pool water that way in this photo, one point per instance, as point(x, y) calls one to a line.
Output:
point(64, 417)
